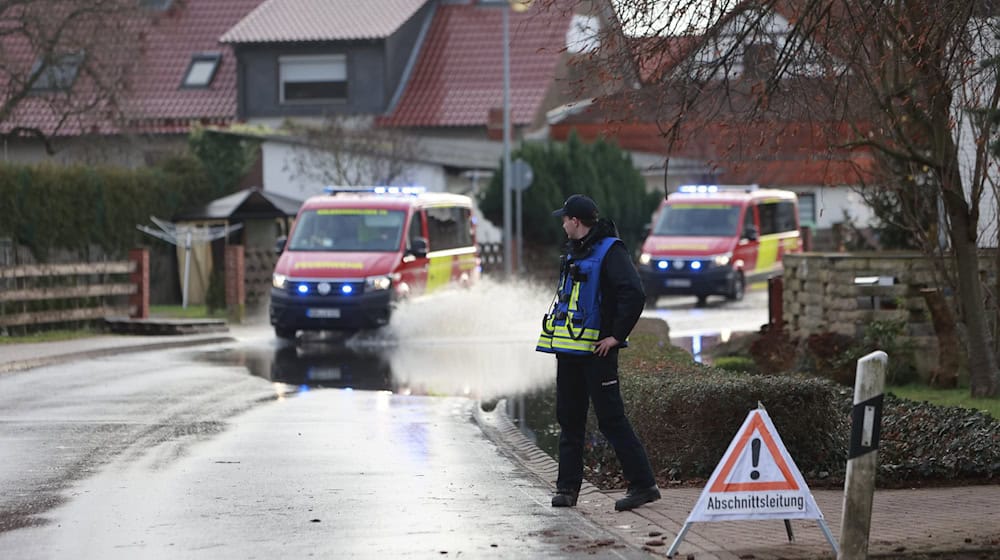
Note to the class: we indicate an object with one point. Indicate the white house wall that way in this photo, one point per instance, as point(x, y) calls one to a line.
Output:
point(278, 159)
point(279, 177)
point(833, 202)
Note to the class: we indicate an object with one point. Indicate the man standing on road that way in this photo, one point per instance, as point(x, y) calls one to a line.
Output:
point(598, 302)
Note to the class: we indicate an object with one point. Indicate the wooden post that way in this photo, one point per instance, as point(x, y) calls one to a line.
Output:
point(775, 305)
point(235, 283)
point(139, 301)
point(862, 457)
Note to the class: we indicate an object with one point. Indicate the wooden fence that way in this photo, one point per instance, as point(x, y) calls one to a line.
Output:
point(40, 294)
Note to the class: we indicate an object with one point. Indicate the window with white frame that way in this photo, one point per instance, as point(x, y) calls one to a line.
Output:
point(201, 71)
point(313, 78)
point(807, 209)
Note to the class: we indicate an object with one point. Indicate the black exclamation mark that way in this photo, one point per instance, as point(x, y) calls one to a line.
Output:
point(755, 451)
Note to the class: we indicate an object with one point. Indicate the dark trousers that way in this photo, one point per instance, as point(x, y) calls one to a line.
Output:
point(581, 380)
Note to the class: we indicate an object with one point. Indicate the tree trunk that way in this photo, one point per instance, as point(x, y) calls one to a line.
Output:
point(945, 375)
point(984, 375)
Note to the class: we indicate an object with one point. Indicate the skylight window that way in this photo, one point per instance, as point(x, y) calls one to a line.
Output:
point(57, 74)
point(201, 71)
point(156, 5)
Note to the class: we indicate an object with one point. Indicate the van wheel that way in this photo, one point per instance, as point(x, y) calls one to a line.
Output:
point(284, 333)
point(702, 301)
point(737, 288)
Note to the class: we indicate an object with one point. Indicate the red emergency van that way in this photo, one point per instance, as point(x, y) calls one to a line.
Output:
point(353, 252)
point(714, 240)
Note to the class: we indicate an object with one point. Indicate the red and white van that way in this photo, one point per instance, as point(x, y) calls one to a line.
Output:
point(353, 252)
point(714, 240)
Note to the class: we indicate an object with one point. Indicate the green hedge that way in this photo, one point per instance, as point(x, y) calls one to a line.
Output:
point(49, 207)
point(688, 421)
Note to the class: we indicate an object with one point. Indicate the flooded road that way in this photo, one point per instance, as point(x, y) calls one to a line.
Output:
point(468, 344)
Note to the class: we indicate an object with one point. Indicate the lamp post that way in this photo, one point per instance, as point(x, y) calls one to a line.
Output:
point(508, 238)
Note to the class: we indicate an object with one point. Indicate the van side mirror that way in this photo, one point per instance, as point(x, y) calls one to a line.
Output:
point(418, 247)
point(647, 229)
point(750, 232)
point(279, 245)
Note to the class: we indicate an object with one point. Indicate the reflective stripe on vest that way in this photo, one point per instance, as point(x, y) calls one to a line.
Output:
point(578, 305)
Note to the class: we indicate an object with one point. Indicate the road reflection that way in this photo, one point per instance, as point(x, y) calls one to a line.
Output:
point(476, 369)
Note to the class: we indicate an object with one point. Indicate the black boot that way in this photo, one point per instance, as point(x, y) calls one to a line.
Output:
point(564, 498)
point(635, 497)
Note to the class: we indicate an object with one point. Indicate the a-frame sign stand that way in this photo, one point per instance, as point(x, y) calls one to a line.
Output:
point(756, 479)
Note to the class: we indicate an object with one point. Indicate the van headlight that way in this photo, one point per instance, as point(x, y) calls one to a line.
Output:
point(378, 282)
point(645, 258)
point(279, 280)
point(722, 260)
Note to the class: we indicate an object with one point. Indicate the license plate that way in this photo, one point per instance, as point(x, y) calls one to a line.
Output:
point(323, 313)
point(324, 373)
point(678, 283)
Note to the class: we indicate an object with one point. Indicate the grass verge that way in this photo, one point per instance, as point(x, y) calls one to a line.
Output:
point(947, 397)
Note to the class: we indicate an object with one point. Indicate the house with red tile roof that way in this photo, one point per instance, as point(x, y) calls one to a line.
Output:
point(785, 146)
point(179, 76)
point(426, 69)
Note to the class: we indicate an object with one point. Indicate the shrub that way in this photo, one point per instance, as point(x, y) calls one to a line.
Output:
point(833, 356)
point(774, 351)
point(688, 421)
point(77, 208)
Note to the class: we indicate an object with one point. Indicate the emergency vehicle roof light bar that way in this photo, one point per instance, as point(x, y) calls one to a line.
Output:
point(332, 190)
point(702, 189)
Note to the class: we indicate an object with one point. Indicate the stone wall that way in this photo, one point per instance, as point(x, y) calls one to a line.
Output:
point(844, 292)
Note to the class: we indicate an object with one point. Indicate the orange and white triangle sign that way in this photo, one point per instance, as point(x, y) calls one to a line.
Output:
point(756, 479)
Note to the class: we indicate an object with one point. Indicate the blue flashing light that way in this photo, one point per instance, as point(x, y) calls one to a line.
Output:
point(698, 188)
point(347, 289)
point(663, 265)
point(303, 288)
point(696, 265)
point(410, 190)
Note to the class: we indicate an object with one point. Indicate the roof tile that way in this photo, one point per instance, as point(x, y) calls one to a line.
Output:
point(156, 102)
point(283, 21)
point(458, 76)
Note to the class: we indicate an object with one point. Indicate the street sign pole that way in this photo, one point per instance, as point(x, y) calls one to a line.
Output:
point(521, 178)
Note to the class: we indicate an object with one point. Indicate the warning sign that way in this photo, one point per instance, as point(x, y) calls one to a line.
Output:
point(756, 479)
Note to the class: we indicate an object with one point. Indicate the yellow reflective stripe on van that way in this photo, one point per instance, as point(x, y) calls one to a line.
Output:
point(467, 262)
point(767, 253)
point(438, 272)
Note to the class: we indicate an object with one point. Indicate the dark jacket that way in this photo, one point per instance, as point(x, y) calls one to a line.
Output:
point(622, 297)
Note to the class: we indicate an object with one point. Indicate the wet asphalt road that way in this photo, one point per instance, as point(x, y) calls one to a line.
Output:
point(181, 454)
point(263, 450)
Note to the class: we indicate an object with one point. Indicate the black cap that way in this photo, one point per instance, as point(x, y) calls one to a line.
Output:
point(578, 206)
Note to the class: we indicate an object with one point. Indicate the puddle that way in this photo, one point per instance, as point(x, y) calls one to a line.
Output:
point(477, 343)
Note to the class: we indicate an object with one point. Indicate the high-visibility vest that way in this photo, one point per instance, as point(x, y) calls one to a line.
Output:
point(574, 325)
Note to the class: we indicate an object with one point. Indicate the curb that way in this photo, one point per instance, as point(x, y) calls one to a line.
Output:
point(593, 504)
point(22, 365)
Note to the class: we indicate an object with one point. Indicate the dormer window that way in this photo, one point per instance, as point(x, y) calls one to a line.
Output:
point(58, 74)
point(313, 78)
point(202, 70)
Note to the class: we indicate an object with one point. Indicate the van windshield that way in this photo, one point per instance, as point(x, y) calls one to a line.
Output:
point(348, 229)
point(698, 220)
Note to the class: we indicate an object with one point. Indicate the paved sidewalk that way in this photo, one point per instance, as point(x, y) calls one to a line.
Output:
point(18, 357)
point(903, 521)
point(930, 520)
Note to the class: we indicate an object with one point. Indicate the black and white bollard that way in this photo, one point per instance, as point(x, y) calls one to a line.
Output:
point(862, 457)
